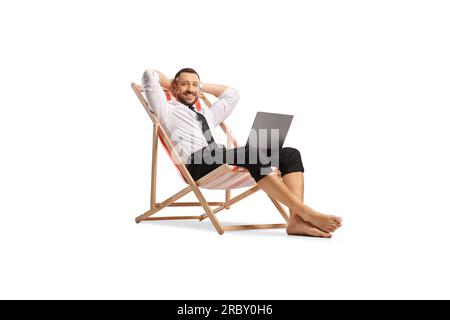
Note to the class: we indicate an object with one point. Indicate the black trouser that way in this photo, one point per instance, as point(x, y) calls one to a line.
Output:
point(257, 162)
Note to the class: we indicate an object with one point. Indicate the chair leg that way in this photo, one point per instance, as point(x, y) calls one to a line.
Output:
point(227, 198)
point(154, 167)
point(232, 201)
point(280, 208)
point(164, 204)
point(207, 208)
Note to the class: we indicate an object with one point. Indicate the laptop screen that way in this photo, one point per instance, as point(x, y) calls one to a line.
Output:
point(269, 130)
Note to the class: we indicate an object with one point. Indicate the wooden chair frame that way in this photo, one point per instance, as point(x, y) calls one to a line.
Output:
point(194, 186)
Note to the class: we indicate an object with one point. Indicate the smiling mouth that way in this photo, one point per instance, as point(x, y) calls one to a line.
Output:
point(189, 95)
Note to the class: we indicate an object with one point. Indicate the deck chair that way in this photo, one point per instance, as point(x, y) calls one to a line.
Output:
point(225, 177)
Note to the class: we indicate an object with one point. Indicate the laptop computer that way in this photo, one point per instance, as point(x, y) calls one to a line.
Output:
point(269, 131)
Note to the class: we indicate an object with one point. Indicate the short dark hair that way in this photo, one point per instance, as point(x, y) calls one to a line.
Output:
point(185, 70)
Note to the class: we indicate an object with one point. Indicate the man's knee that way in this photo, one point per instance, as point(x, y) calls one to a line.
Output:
point(290, 153)
point(291, 160)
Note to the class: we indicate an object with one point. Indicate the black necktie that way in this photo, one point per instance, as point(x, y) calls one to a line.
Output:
point(205, 128)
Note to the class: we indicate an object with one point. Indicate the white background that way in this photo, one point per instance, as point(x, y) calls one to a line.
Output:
point(368, 82)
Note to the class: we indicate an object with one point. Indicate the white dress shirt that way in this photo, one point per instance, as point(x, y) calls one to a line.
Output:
point(181, 123)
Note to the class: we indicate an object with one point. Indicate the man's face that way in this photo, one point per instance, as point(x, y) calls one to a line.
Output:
point(186, 88)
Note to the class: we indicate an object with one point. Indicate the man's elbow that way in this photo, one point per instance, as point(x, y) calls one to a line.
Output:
point(235, 95)
point(150, 77)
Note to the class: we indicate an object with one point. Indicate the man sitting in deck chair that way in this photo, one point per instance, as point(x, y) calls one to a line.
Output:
point(193, 135)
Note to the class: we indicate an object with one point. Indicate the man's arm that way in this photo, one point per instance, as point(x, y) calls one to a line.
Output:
point(215, 89)
point(154, 93)
point(222, 108)
point(165, 82)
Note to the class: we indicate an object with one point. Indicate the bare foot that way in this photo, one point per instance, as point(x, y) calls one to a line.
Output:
point(298, 227)
point(324, 222)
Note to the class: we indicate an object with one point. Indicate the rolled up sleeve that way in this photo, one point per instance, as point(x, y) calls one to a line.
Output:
point(155, 94)
point(223, 107)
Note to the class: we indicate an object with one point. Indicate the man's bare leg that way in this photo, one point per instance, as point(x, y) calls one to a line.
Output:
point(297, 226)
point(295, 181)
point(275, 188)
